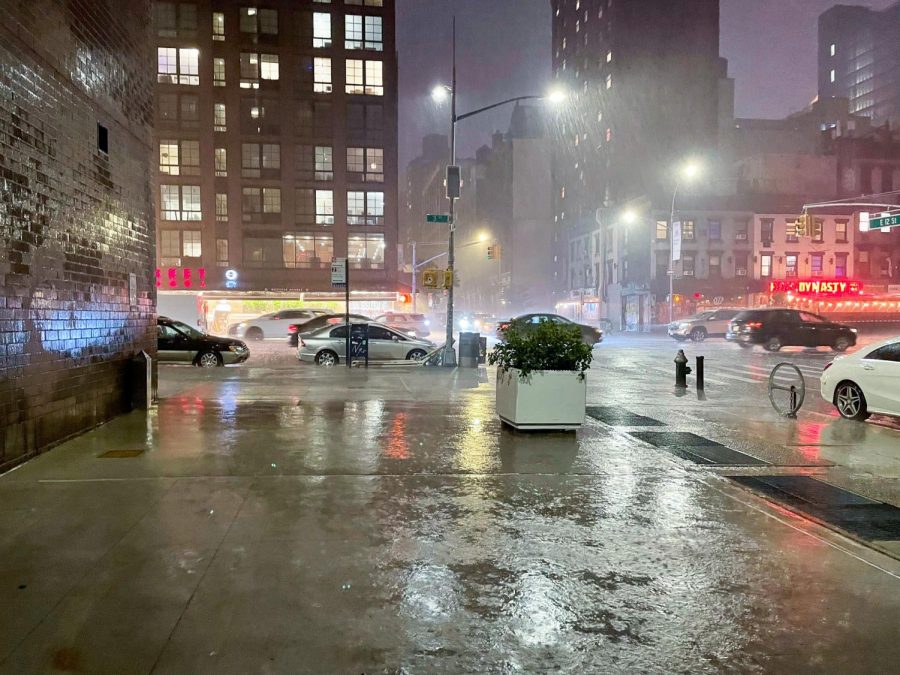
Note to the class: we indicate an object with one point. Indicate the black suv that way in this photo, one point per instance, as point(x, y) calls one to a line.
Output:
point(777, 328)
point(176, 342)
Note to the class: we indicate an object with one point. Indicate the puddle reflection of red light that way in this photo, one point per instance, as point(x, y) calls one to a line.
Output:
point(397, 447)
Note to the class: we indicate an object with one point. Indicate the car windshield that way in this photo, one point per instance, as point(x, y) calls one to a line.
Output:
point(187, 330)
point(701, 316)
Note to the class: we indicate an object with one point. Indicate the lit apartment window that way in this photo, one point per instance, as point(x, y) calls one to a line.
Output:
point(790, 265)
point(179, 158)
point(688, 232)
point(219, 117)
point(818, 230)
point(307, 251)
point(662, 230)
point(180, 202)
point(218, 26)
point(178, 66)
point(321, 29)
point(840, 265)
point(322, 75)
point(365, 208)
point(271, 200)
point(324, 207)
point(271, 156)
point(364, 32)
point(254, 20)
point(365, 164)
point(687, 265)
point(218, 72)
point(190, 243)
point(364, 77)
point(831, 75)
point(221, 253)
point(765, 265)
point(840, 232)
point(817, 264)
point(268, 66)
point(324, 159)
point(254, 66)
point(366, 251)
point(221, 163)
point(221, 207)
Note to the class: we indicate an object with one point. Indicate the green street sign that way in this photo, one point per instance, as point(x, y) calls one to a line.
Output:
point(881, 222)
point(437, 218)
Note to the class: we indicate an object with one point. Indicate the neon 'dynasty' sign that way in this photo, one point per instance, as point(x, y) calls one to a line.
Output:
point(831, 287)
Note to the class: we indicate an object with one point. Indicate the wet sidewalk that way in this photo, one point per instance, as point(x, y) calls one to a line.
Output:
point(321, 521)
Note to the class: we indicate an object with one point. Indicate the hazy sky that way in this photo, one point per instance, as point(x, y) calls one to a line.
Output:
point(504, 51)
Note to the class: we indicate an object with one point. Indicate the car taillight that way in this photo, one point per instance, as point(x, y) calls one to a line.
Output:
point(753, 324)
point(334, 320)
point(292, 329)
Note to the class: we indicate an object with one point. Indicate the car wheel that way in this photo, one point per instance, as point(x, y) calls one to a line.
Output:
point(254, 333)
point(209, 360)
point(850, 401)
point(326, 358)
point(416, 355)
point(773, 344)
point(841, 344)
point(698, 335)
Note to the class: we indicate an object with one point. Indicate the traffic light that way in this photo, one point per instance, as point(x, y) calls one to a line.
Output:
point(801, 225)
point(493, 252)
point(453, 182)
point(490, 252)
point(433, 279)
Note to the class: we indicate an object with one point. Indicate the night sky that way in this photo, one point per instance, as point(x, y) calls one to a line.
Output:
point(504, 51)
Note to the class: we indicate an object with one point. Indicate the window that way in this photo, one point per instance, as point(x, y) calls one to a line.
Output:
point(271, 198)
point(271, 156)
point(687, 230)
point(305, 206)
point(219, 117)
point(218, 26)
point(840, 231)
point(715, 266)
point(790, 265)
point(322, 75)
point(367, 3)
point(715, 230)
point(365, 121)
point(255, 66)
point(791, 232)
point(740, 232)
point(180, 202)
point(364, 32)
point(687, 265)
point(221, 162)
point(307, 251)
point(306, 162)
point(365, 164)
point(740, 264)
point(862, 267)
point(260, 116)
point(175, 20)
point(818, 229)
point(221, 253)
point(364, 77)
point(887, 353)
point(765, 265)
point(324, 207)
point(767, 226)
point(268, 69)
point(221, 207)
point(191, 243)
point(170, 243)
point(816, 264)
point(366, 251)
point(365, 208)
point(218, 72)
point(251, 200)
point(179, 158)
point(178, 66)
point(263, 252)
point(840, 265)
point(324, 163)
point(254, 20)
point(250, 160)
point(662, 230)
point(806, 317)
point(321, 29)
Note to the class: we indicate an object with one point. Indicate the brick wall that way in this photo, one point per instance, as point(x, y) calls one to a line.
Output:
point(75, 222)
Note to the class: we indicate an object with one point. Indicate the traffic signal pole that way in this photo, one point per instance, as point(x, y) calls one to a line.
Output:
point(449, 359)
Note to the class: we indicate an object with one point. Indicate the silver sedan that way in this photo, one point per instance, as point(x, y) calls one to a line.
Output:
point(327, 346)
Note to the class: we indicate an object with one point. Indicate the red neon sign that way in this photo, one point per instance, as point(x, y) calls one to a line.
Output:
point(181, 277)
point(830, 287)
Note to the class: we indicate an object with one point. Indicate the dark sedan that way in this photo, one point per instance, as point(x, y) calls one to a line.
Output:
point(176, 342)
point(315, 324)
point(777, 328)
point(590, 334)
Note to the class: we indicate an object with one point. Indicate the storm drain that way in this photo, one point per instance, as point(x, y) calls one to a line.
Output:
point(696, 449)
point(616, 417)
point(120, 454)
point(865, 518)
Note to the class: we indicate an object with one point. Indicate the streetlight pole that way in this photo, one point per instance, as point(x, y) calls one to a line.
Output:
point(449, 353)
point(672, 254)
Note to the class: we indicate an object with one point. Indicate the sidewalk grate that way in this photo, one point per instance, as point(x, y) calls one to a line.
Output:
point(616, 417)
point(865, 518)
point(120, 454)
point(696, 448)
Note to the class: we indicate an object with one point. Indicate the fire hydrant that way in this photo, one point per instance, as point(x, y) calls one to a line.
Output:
point(681, 369)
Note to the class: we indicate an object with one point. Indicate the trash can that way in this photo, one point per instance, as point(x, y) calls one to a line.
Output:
point(482, 350)
point(469, 348)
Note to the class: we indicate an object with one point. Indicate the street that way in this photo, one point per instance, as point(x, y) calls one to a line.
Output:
point(281, 517)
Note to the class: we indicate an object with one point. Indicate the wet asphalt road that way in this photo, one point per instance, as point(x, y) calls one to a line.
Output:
point(285, 518)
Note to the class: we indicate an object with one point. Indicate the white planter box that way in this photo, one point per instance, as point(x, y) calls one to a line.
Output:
point(550, 400)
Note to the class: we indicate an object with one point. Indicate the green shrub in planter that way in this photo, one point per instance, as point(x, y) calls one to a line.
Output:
point(546, 346)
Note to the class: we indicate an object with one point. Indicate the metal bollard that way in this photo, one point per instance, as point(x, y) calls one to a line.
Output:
point(681, 369)
point(700, 384)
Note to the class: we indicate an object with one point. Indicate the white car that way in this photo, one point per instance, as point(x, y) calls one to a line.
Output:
point(866, 382)
point(275, 325)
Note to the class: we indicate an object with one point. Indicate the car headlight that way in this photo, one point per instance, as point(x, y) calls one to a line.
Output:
point(683, 326)
point(854, 331)
point(237, 349)
point(427, 322)
point(477, 324)
point(464, 323)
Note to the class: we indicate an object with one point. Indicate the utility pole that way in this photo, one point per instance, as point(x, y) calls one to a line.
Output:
point(449, 353)
point(414, 303)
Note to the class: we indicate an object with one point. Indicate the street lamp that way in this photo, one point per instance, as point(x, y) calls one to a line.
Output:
point(687, 172)
point(439, 94)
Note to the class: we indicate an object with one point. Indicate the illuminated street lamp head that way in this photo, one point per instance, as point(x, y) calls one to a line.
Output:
point(440, 93)
point(629, 216)
point(556, 96)
point(691, 170)
point(484, 236)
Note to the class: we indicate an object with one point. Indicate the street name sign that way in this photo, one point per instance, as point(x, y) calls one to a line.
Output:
point(437, 218)
point(339, 272)
point(884, 220)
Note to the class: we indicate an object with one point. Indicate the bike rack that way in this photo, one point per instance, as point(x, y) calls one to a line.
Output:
point(796, 392)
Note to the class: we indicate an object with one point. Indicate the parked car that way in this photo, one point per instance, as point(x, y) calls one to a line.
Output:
point(865, 383)
point(589, 334)
point(777, 328)
point(711, 323)
point(275, 325)
point(176, 342)
point(327, 346)
point(409, 323)
point(312, 325)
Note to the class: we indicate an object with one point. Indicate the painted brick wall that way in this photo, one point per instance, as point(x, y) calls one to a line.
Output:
point(75, 223)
